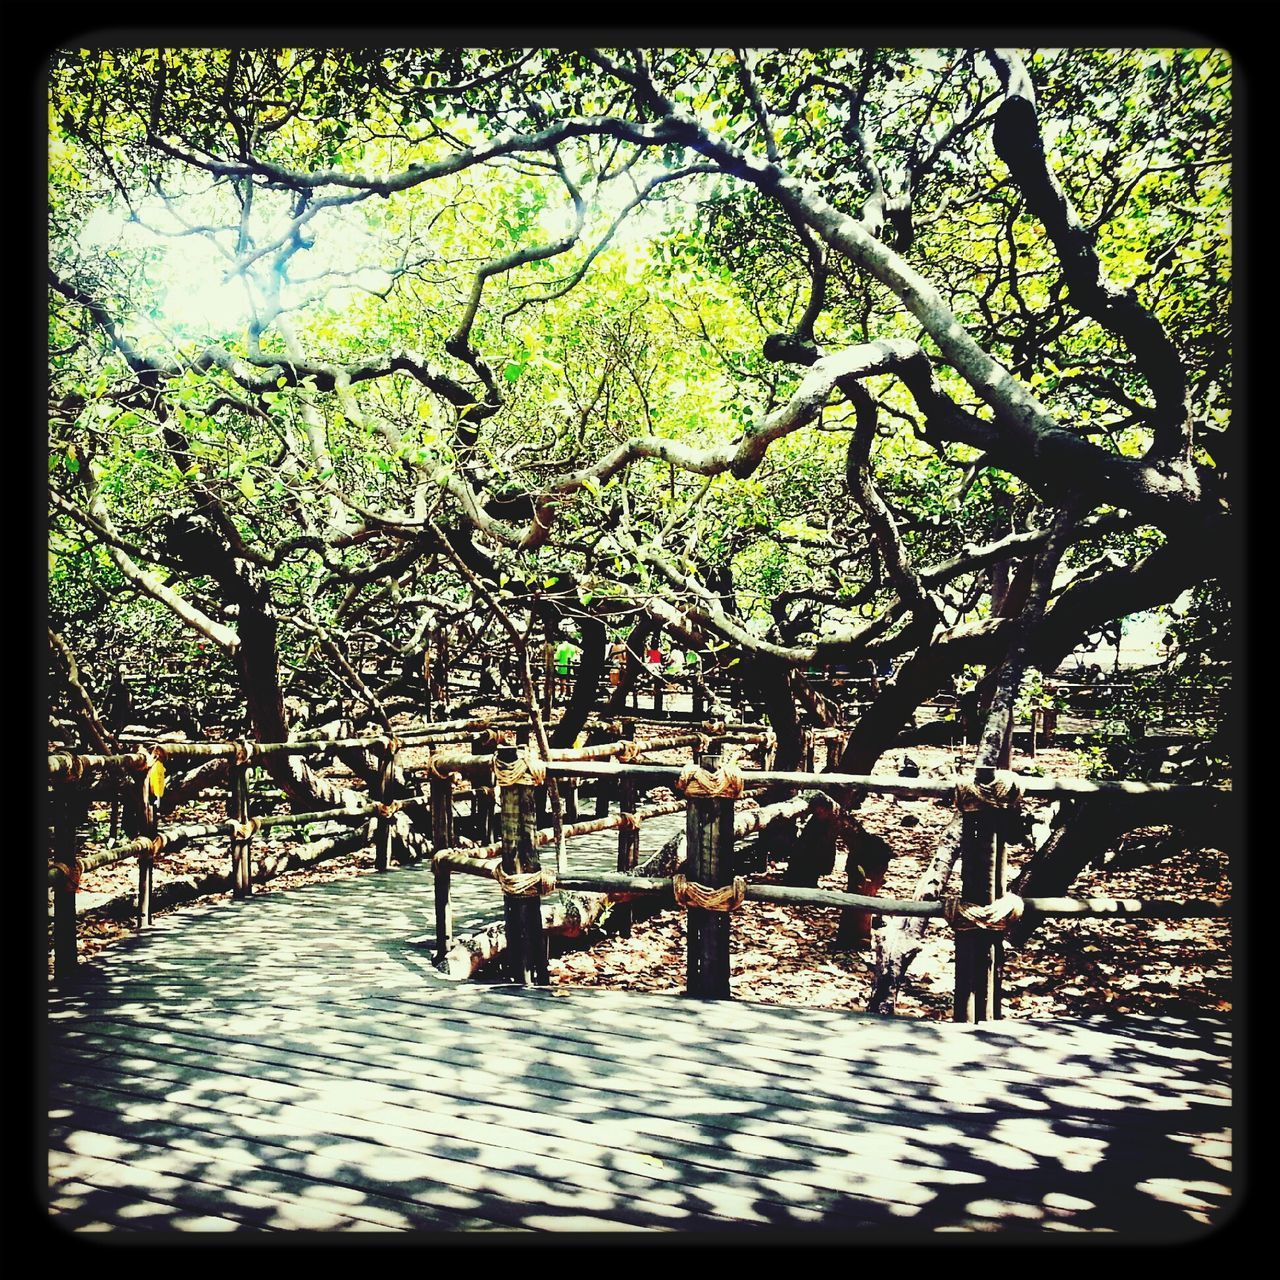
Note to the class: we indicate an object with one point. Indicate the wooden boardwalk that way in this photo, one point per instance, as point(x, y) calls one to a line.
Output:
point(294, 1063)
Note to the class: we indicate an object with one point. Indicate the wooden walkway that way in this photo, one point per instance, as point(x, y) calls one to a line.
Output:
point(294, 1063)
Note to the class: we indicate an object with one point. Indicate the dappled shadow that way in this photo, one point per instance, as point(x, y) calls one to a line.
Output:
point(293, 1063)
point(465, 1108)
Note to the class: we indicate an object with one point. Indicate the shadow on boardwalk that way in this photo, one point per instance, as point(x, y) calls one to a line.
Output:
point(293, 1063)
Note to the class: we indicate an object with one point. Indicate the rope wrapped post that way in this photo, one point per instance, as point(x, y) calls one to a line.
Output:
point(238, 812)
point(151, 830)
point(68, 804)
point(979, 952)
point(709, 832)
point(384, 830)
point(628, 831)
point(527, 956)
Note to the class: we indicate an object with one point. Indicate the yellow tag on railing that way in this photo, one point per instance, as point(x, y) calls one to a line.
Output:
point(155, 779)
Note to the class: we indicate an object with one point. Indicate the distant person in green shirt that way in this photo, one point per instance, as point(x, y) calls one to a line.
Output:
point(565, 658)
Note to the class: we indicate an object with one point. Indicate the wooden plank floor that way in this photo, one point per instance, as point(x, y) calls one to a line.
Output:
point(294, 1063)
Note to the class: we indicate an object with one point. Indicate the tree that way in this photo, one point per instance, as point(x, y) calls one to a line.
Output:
point(800, 355)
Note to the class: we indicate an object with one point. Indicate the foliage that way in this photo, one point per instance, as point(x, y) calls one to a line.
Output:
point(783, 349)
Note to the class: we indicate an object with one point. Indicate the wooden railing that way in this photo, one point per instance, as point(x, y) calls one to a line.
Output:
point(711, 829)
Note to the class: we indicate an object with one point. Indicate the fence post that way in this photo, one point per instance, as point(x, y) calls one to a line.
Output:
point(444, 909)
point(440, 792)
point(238, 812)
point(385, 828)
point(482, 794)
point(146, 861)
point(628, 836)
point(981, 878)
point(604, 788)
point(709, 832)
point(548, 676)
point(527, 956)
point(66, 810)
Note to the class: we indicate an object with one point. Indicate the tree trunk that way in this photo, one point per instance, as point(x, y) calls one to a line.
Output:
point(591, 668)
point(869, 858)
point(898, 943)
point(769, 682)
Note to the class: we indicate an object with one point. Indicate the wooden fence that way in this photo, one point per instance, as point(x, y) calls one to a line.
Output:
point(710, 889)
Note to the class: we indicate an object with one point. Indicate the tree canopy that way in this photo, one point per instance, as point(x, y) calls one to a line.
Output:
point(792, 353)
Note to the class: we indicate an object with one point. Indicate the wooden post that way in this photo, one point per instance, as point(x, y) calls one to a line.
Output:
point(809, 748)
point(482, 792)
point(527, 957)
point(440, 791)
point(444, 911)
point(442, 667)
point(978, 951)
point(628, 838)
point(238, 811)
point(66, 811)
point(604, 789)
point(384, 829)
point(695, 687)
point(657, 692)
point(548, 675)
point(709, 830)
point(146, 861)
point(1035, 724)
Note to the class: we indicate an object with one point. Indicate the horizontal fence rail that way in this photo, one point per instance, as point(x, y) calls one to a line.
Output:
point(512, 779)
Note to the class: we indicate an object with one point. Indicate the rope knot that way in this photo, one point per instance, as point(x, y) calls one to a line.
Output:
point(995, 917)
point(525, 884)
point(245, 830)
point(724, 783)
point(523, 770)
point(629, 751)
point(628, 821)
point(388, 809)
point(1002, 792)
point(71, 873)
point(153, 850)
point(728, 897)
point(244, 752)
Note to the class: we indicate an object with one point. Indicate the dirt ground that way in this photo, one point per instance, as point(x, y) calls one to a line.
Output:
point(784, 955)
